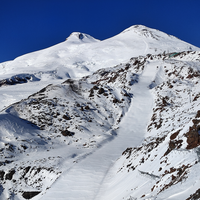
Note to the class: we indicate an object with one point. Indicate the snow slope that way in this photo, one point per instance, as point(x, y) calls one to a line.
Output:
point(124, 132)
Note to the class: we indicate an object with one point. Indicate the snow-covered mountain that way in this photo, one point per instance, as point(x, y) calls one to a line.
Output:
point(81, 55)
point(113, 119)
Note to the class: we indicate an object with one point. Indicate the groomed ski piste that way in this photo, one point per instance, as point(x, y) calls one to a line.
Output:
point(88, 179)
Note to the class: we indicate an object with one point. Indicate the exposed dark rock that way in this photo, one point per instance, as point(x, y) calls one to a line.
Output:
point(80, 36)
point(175, 178)
point(26, 170)
point(66, 117)
point(105, 94)
point(24, 147)
point(18, 79)
point(193, 137)
point(173, 144)
point(30, 195)
point(194, 196)
point(95, 87)
point(198, 114)
point(2, 173)
point(101, 91)
point(116, 100)
point(164, 101)
point(67, 133)
point(5, 162)
point(128, 151)
point(73, 85)
point(87, 107)
point(91, 93)
point(10, 174)
point(174, 135)
point(127, 66)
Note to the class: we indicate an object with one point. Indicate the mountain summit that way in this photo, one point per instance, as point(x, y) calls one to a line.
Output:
point(81, 37)
point(112, 119)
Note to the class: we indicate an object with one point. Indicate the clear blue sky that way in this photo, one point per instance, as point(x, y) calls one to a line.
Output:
point(30, 25)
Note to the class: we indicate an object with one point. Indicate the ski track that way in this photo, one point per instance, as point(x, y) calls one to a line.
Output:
point(146, 46)
point(88, 178)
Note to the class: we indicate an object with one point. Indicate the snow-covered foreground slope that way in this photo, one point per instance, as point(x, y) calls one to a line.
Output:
point(70, 142)
point(124, 132)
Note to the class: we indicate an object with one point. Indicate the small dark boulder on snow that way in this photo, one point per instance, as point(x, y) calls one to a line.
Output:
point(95, 87)
point(101, 91)
point(30, 195)
point(91, 93)
point(66, 117)
point(87, 107)
point(116, 100)
point(67, 133)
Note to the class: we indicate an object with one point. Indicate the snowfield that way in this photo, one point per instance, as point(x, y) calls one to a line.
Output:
point(101, 120)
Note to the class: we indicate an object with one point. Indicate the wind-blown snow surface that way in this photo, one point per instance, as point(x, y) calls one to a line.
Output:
point(124, 132)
